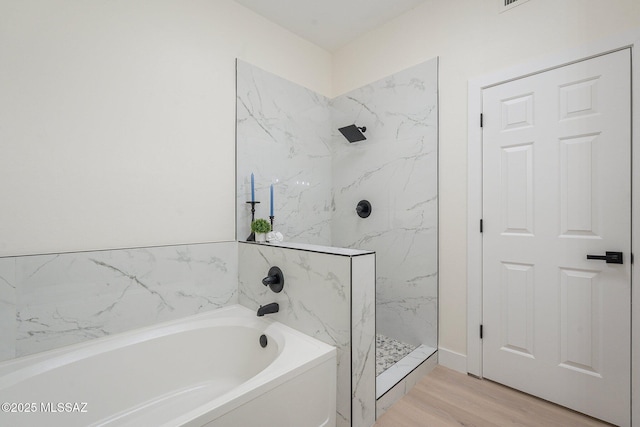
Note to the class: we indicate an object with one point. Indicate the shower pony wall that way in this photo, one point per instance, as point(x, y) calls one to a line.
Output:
point(288, 136)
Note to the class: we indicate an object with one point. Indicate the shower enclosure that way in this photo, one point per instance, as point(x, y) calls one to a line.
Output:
point(289, 137)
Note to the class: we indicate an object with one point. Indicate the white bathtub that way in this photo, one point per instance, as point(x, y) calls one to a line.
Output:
point(208, 369)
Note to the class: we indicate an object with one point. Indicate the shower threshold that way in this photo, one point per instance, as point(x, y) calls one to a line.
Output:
point(407, 358)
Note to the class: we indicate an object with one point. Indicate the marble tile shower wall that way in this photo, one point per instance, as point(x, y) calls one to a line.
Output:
point(283, 137)
point(396, 170)
point(48, 301)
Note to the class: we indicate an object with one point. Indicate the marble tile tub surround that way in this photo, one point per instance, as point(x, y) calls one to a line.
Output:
point(49, 301)
point(283, 138)
point(396, 170)
point(329, 296)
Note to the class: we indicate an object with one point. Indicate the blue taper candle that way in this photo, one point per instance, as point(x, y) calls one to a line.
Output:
point(271, 209)
point(253, 191)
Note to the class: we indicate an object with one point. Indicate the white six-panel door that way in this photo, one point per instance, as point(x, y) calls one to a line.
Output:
point(556, 188)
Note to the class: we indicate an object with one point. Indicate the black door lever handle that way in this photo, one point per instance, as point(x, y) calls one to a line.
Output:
point(609, 257)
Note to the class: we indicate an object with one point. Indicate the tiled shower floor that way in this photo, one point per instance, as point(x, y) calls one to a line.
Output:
point(389, 351)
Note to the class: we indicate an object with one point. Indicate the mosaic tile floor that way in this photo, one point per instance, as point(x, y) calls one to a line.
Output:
point(389, 351)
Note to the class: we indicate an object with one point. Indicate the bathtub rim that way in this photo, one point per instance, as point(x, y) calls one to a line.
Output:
point(155, 330)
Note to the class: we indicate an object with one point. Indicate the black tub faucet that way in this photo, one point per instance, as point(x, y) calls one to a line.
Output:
point(268, 309)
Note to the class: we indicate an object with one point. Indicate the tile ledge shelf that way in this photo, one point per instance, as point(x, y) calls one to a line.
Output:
point(316, 248)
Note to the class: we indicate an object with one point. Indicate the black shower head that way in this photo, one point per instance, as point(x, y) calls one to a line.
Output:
point(353, 133)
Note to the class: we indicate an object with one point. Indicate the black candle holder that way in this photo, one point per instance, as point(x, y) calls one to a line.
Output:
point(252, 236)
point(271, 217)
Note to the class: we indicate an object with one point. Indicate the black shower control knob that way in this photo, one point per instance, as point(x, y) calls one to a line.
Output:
point(363, 208)
point(274, 279)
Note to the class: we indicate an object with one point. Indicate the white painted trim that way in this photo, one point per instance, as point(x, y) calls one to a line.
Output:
point(474, 237)
point(635, 235)
point(474, 190)
point(452, 360)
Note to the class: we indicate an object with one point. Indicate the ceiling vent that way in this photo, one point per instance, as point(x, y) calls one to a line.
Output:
point(510, 4)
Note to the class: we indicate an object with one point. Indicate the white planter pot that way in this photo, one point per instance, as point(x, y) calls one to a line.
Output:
point(261, 237)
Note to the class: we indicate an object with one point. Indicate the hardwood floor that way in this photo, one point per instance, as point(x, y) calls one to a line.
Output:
point(449, 398)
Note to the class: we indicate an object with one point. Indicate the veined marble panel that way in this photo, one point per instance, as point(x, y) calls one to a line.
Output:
point(316, 300)
point(411, 314)
point(67, 298)
point(395, 169)
point(363, 340)
point(401, 106)
point(8, 324)
point(283, 138)
point(327, 296)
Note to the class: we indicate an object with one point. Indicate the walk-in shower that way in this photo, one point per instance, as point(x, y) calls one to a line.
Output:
point(381, 195)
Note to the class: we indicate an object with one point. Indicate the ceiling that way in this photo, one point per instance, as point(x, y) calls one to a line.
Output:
point(330, 23)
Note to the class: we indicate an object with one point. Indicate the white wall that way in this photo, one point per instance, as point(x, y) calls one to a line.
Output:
point(117, 118)
point(471, 38)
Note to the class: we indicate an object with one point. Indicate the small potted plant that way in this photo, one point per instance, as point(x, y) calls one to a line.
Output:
point(261, 227)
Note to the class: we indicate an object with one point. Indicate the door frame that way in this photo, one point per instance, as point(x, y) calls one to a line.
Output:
point(630, 40)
